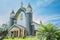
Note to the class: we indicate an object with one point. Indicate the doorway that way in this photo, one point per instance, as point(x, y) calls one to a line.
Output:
point(14, 33)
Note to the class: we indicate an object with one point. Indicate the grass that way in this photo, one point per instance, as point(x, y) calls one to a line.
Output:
point(20, 39)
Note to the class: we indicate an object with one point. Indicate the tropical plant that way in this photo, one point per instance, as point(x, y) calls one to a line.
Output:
point(58, 33)
point(5, 26)
point(3, 31)
point(48, 32)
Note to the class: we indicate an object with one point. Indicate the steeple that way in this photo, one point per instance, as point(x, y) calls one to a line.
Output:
point(21, 4)
point(12, 14)
point(29, 6)
point(29, 9)
point(12, 11)
point(40, 22)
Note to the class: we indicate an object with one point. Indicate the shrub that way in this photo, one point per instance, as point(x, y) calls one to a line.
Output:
point(6, 37)
point(48, 32)
point(12, 36)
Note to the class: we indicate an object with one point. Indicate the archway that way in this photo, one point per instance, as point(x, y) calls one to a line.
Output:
point(28, 14)
point(19, 11)
point(15, 32)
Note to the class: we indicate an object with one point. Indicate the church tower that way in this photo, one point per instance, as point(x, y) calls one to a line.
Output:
point(30, 27)
point(12, 18)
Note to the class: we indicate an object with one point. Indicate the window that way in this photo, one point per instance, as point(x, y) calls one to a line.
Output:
point(21, 16)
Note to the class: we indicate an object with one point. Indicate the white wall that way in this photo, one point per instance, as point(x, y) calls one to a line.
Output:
point(23, 21)
point(36, 25)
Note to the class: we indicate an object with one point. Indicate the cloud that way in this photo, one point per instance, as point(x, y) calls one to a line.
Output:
point(4, 19)
point(53, 17)
point(43, 3)
point(38, 18)
point(46, 19)
point(39, 3)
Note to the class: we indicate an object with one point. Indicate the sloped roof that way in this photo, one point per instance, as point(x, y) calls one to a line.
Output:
point(15, 25)
point(36, 23)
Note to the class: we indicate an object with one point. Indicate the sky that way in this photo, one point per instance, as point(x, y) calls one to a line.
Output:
point(48, 11)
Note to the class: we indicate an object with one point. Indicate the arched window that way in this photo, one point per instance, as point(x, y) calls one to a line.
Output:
point(21, 19)
point(21, 16)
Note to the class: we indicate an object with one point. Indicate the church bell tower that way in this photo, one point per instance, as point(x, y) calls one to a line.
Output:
point(30, 27)
point(12, 18)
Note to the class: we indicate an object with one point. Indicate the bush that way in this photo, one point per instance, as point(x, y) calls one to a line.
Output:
point(12, 36)
point(48, 32)
point(23, 36)
point(6, 37)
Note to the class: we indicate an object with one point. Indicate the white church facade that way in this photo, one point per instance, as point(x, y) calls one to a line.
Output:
point(21, 22)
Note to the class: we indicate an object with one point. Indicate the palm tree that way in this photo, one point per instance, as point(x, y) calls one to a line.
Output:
point(58, 33)
point(48, 32)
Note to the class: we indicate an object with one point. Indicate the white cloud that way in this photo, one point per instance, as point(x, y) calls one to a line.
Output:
point(53, 17)
point(45, 19)
point(4, 19)
point(37, 18)
point(44, 2)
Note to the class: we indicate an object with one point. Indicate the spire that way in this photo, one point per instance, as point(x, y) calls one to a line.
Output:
point(29, 6)
point(40, 22)
point(12, 11)
point(12, 14)
point(21, 4)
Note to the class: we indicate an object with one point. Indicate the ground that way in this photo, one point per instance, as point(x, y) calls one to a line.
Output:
point(20, 39)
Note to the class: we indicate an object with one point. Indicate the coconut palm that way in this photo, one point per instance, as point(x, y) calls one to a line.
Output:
point(48, 32)
point(58, 33)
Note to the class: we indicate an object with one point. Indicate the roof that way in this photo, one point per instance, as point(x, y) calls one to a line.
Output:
point(16, 25)
point(36, 23)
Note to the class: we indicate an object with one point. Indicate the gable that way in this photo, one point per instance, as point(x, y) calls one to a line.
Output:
point(14, 29)
point(16, 26)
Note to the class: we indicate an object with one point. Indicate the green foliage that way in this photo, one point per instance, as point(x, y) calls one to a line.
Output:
point(48, 32)
point(6, 37)
point(12, 36)
point(3, 34)
point(1, 31)
point(32, 38)
point(23, 36)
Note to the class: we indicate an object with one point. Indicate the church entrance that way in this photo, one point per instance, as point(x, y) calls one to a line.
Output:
point(17, 31)
point(14, 33)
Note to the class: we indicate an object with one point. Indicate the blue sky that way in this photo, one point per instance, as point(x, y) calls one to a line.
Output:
point(46, 10)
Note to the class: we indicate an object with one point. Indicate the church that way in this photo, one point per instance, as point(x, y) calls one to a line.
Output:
point(21, 23)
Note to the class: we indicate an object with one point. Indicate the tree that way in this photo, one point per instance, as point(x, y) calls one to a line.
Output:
point(48, 32)
point(3, 31)
point(5, 26)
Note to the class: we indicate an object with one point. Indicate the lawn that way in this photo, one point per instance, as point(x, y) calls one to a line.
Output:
point(20, 39)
